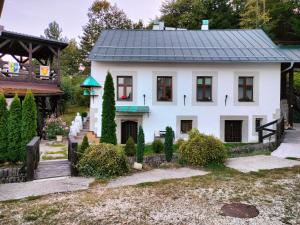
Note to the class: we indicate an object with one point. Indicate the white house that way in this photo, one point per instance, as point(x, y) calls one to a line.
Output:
point(223, 82)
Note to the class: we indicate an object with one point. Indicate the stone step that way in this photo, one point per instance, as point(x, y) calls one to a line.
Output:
point(53, 168)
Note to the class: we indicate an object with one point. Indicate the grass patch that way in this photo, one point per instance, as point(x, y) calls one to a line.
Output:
point(41, 214)
point(57, 145)
point(71, 112)
point(50, 155)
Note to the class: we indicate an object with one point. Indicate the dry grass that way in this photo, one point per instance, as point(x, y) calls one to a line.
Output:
point(194, 200)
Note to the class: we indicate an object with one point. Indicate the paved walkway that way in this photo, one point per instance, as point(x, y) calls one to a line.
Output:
point(53, 168)
point(154, 176)
point(43, 187)
point(260, 162)
point(290, 147)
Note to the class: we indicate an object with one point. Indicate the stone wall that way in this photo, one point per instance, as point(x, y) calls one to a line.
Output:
point(11, 175)
point(153, 160)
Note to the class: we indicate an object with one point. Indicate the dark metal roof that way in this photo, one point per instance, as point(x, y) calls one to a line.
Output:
point(186, 46)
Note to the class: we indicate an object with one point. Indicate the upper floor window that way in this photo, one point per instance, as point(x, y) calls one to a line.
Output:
point(245, 89)
point(164, 89)
point(204, 88)
point(124, 88)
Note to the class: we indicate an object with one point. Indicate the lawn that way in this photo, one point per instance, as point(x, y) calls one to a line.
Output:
point(196, 200)
point(71, 112)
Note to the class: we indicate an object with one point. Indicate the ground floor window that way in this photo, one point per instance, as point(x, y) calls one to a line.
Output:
point(186, 126)
point(233, 130)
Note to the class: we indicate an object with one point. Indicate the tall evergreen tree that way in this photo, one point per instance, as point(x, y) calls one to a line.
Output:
point(14, 130)
point(140, 145)
point(29, 122)
point(54, 32)
point(169, 144)
point(102, 15)
point(70, 59)
point(3, 128)
point(108, 130)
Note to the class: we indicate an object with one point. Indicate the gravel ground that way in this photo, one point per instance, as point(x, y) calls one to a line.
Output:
point(196, 200)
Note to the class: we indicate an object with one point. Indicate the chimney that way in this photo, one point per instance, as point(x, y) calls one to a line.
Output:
point(158, 25)
point(205, 25)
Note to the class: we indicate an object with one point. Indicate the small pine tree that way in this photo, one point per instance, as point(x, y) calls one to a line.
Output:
point(169, 144)
point(130, 147)
point(3, 128)
point(84, 145)
point(29, 122)
point(108, 130)
point(14, 130)
point(140, 146)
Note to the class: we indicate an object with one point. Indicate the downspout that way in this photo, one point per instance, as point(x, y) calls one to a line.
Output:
point(290, 67)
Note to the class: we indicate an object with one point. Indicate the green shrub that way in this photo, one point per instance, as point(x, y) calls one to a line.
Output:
point(179, 142)
point(84, 114)
point(157, 146)
point(3, 128)
point(201, 150)
point(29, 121)
point(84, 145)
point(169, 144)
point(14, 130)
point(55, 126)
point(130, 147)
point(140, 145)
point(103, 160)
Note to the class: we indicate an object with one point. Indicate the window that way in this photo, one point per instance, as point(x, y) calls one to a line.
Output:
point(164, 89)
point(258, 122)
point(204, 89)
point(124, 88)
point(245, 89)
point(186, 126)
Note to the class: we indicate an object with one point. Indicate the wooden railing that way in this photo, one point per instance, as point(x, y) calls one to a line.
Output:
point(265, 132)
point(72, 155)
point(33, 158)
point(24, 74)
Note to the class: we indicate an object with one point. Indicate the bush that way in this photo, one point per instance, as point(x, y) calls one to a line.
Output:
point(169, 144)
point(55, 126)
point(84, 114)
point(157, 146)
point(3, 128)
point(103, 160)
point(130, 147)
point(84, 145)
point(201, 150)
point(179, 142)
point(140, 146)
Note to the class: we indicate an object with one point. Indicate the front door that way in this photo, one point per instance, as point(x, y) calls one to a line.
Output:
point(129, 129)
point(233, 130)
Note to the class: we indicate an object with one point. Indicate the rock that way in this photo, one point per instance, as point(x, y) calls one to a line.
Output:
point(138, 166)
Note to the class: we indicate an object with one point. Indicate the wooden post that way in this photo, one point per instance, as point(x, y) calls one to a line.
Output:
point(30, 61)
point(58, 66)
point(291, 97)
point(73, 157)
point(32, 158)
point(260, 136)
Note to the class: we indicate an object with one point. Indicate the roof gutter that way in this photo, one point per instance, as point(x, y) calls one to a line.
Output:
point(290, 67)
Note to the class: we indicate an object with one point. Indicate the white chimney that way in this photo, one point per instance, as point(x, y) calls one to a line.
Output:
point(205, 25)
point(158, 25)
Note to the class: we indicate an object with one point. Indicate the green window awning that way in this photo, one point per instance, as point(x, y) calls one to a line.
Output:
point(90, 82)
point(132, 109)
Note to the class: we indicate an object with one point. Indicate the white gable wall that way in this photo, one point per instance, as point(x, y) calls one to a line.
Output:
point(267, 88)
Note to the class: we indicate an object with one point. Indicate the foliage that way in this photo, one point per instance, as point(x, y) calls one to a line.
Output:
point(108, 130)
point(84, 114)
point(130, 147)
point(70, 59)
point(84, 145)
point(169, 144)
point(3, 128)
point(101, 15)
point(103, 160)
point(157, 146)
point(297, 82)
point(55, 126)
point(201, 150)
point(179, 142)
point(140, 145)
point(14, 131)
point(54, 32)
point(29, 121)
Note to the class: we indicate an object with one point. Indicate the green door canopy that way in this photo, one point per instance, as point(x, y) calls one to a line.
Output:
point(132, 109)
point(90, 82)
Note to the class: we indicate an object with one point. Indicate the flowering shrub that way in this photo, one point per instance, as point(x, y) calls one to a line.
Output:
point(55, 126)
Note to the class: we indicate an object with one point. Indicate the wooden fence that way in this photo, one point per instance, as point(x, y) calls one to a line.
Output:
point(72, 155)
point(33, 158)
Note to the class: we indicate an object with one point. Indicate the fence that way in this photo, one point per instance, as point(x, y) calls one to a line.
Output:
point(72, 155)
point(33, 158)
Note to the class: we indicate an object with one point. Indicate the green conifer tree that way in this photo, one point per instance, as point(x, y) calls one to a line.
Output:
point(14, 130)
point(84, 145)
point(140, 145)
point(3, 128)
point(29, 122)
point(108, 130)
point(169, 144)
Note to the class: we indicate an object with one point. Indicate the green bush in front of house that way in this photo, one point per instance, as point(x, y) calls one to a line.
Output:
point(169, 144)
point(14, 131)
point(201, 150)
point(140, 145)
point(103, 160)
point(3, 128)
point(157, 146)
point(130, 147)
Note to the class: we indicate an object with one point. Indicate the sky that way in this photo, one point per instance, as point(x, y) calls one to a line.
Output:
point(33, 16)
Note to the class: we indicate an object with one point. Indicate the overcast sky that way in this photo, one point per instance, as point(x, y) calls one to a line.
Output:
point(33, 16)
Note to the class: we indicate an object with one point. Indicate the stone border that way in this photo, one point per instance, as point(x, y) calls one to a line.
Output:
point(153, 160)
point(271, 146)
point(11, 175)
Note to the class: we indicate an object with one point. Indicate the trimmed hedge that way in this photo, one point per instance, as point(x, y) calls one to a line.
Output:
point(130, 147)
point(103, 160)
point(201, 150)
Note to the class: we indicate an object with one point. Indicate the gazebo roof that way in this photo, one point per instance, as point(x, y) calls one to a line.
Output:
point(90, 82)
